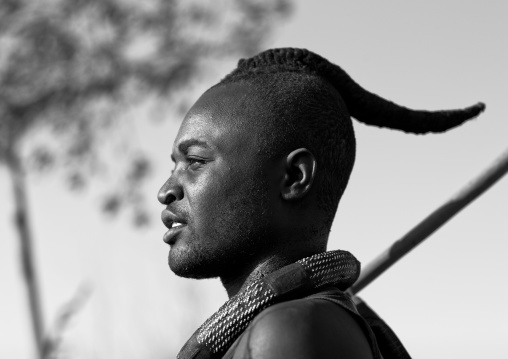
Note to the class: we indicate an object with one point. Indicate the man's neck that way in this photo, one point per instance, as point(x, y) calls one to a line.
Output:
point(236, 282)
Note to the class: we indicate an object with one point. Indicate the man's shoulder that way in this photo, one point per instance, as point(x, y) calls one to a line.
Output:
point(304, 328)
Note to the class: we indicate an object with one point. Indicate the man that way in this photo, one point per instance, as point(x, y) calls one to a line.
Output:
point(261, 162)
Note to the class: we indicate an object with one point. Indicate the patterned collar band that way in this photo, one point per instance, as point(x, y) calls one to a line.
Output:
point(329, 269)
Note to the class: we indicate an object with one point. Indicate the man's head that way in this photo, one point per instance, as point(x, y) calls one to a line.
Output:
point(263, 158)
point(239, 189)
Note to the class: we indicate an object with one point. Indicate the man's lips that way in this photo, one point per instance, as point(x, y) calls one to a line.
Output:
point(174, 223)
point(170, 236)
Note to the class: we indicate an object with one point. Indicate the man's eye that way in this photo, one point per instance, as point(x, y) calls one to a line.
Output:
point(195, 162)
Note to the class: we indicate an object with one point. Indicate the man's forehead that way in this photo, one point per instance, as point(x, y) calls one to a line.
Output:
point(219, 118)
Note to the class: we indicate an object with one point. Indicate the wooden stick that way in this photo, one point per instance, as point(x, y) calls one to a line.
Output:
point(430, 224)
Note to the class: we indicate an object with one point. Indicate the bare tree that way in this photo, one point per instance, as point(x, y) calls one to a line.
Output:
point(66, 64)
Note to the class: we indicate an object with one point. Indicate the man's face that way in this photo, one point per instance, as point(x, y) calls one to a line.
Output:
point(222, 193)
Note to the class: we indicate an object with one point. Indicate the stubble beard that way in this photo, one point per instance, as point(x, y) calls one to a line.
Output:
point(238, 234)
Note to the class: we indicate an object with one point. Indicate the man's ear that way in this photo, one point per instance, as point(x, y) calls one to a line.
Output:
point(299, 175)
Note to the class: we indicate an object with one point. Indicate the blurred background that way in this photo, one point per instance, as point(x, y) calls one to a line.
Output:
point(92, 93)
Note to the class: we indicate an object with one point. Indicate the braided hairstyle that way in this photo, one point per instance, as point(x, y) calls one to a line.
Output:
point(303, 100)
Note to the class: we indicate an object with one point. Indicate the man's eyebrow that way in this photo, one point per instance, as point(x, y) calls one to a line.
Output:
point(184, 145)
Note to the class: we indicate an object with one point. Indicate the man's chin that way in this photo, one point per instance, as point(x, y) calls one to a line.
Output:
point(191, 268)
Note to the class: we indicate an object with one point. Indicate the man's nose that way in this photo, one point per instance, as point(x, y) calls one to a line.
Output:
point(170, 192)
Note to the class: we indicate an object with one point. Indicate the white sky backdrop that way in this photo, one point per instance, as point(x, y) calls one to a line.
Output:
point(447, 299)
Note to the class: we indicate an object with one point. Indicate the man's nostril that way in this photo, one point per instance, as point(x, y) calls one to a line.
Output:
point(169, 194)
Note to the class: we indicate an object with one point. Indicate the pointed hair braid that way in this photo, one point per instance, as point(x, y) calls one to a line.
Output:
point(363, 105)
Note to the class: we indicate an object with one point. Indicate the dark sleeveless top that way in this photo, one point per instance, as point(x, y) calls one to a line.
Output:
point(339, 298)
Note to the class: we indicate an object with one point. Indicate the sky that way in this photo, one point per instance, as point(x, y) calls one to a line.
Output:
point(445, 299)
